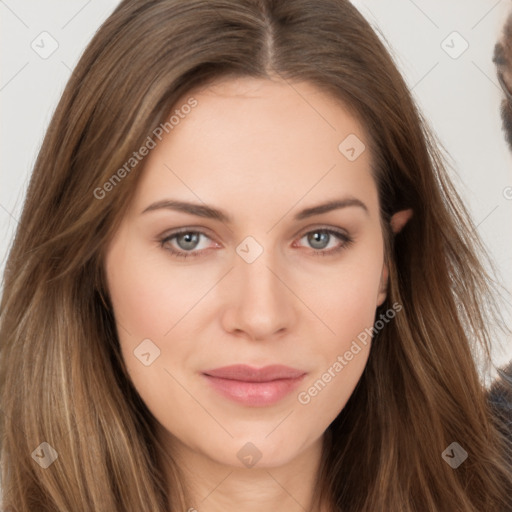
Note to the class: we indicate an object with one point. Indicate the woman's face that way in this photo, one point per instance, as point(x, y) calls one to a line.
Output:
point(267, 282)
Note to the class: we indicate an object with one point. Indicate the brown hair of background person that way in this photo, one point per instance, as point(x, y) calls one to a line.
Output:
point(62, 379)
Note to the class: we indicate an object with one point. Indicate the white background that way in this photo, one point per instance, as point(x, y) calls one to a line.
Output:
point(460, 97)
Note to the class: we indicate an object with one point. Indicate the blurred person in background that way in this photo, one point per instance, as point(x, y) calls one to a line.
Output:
point(500, 393)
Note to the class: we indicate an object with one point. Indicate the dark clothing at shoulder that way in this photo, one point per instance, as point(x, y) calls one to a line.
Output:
point(500, 398)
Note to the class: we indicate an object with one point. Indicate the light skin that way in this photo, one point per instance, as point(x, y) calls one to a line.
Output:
point(262, 151)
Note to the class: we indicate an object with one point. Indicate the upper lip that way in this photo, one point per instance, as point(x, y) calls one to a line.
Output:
point(245, 373)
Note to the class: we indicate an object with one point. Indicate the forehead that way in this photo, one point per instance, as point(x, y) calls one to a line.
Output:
point(263, 140)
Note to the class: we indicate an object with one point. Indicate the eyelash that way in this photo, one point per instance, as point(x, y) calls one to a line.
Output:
point(347, 242)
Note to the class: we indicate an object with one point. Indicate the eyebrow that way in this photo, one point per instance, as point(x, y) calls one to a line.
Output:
point(202, 210)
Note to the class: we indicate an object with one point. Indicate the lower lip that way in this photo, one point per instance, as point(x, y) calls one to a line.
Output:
point(254, 394)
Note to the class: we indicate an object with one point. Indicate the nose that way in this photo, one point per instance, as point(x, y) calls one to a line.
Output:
point(259, 304)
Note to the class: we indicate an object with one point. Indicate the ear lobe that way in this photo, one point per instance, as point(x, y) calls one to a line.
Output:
point(383, 291)
point(399, 219)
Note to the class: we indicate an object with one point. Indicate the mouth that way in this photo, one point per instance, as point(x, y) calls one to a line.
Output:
point(254, 387)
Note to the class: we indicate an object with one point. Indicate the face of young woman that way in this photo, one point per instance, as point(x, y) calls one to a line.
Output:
point(269, 281)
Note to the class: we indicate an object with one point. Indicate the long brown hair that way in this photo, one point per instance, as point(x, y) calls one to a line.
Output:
point(63, 381)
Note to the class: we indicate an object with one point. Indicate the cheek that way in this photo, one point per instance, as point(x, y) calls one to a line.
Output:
point(346, 298)
point(346, 302)
point(148, 306)
point(148, 299)
point(342, 354)
point(151, 302)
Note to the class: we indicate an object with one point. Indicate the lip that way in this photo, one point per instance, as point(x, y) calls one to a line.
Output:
point(254, 387)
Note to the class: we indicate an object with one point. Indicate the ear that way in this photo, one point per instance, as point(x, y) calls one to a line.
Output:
point(398, 221)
